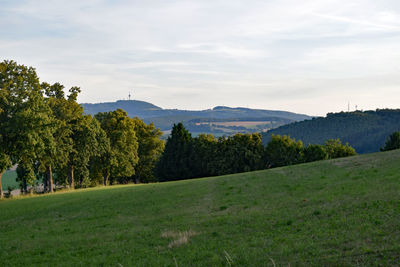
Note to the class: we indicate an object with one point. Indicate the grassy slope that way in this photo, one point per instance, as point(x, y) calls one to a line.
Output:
point(340, 212)
point(9, 179)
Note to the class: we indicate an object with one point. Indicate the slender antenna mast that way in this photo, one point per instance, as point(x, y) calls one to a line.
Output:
point(348, 106)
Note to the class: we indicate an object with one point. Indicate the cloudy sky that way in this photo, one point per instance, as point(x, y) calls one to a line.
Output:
point(306, 56)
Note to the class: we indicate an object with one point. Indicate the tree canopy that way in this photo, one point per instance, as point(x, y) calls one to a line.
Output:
point(122, 155)
point(44, 131)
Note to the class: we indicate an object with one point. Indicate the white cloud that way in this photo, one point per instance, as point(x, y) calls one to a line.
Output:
point(281, 54)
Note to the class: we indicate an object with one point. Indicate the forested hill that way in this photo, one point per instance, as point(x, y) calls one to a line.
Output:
point(365, 131)
point(207, 121)
point(133, 107)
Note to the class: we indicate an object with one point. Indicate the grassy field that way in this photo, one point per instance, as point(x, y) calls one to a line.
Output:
point(331, 213)
point(9, 179)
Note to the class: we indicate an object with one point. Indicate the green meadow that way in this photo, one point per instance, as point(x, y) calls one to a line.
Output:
point(343, 212)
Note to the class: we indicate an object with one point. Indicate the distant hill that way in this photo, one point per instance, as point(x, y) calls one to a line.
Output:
point(220, 120)
point(138, 108)
point(365, 131)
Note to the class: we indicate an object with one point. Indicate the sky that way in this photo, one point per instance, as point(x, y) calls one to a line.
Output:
point(304, 56)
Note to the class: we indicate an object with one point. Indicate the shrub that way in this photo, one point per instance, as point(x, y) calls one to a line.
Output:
point(335, 149)
point(314, 153)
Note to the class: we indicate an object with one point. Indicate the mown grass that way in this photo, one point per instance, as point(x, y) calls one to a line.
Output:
point(9, 180)
point(331, 213)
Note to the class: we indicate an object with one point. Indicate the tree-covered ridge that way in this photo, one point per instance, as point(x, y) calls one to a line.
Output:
point(166, 118)
point(365, 131)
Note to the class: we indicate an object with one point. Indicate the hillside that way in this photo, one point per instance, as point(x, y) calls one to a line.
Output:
point(211, 118)
point(365, 131)
point(330, 213)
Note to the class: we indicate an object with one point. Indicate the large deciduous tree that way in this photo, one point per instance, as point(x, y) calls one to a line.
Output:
point(76, 135)
point(89, 140)
point(149, 151)
point(27, 122)
point(121, 156)
point(64, 115)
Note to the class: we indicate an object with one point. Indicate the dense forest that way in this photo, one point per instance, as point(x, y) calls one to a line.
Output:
point(365, 131)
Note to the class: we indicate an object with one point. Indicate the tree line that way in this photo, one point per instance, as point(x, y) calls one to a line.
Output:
point(188, 157)
point(46, 133)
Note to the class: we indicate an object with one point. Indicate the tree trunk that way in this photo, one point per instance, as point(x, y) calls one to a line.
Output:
point(71, 178)
point(50, 178)
point(24, 186)
point(1, 186)
point(106, 174)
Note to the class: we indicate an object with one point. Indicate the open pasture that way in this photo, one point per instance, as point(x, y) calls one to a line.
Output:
point(330, 213)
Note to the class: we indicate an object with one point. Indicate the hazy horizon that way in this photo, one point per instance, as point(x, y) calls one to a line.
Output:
point(309, 57)
point(352, 109)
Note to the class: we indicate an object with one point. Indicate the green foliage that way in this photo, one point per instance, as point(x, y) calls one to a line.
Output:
point(89, 140)
point(43, 130)
point(27, 122)
point(205, 155)
point(342, 212)
point(149, 151)
point(393, 142)
point(122, 156)
point(77, 136)
point(185, 157)
point(175, 163)
point(25, 175)
point(238, 153)
point(335, 149)
point(283, 151)
point(314, 153)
